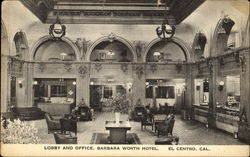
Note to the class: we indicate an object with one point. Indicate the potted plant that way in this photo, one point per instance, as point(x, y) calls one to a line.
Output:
point(19, 132)
point(120, 105)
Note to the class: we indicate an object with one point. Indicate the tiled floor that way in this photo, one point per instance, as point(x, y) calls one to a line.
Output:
point(190, 132)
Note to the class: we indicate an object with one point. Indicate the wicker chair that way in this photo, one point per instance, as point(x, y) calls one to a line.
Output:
point(53, 124)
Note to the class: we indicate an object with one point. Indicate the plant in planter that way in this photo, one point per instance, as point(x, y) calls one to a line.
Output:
point(19, 132)
point(120, 105)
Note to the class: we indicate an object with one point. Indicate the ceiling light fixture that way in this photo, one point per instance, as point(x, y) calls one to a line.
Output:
point(57, 30)
point(165, 31)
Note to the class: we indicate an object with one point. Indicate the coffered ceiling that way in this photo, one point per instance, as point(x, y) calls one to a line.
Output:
point(112, 11)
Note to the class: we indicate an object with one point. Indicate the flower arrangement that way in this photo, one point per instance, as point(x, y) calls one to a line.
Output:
point(19, 132)
point(119, 103)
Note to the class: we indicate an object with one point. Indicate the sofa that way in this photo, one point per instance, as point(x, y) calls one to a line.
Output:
point(28, 113)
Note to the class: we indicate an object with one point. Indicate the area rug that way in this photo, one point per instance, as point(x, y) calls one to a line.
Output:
point(103, 138)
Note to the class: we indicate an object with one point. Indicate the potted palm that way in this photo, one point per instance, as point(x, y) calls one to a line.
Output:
point(120, 105)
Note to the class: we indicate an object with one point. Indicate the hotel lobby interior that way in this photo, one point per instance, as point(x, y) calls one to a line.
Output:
point(148, 72)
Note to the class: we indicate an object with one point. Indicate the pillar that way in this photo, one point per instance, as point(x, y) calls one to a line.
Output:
point(82, 84)
point(139, 81)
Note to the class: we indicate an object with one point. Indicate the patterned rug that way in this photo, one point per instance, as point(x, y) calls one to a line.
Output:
point(103, 138)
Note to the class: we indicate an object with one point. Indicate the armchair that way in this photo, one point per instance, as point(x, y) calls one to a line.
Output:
point(166, 127)
point(138, 112)
point(65, 139)
point(163, 109)
point(147, 120)
point(83, 113)
point(53, 124)
point(68, 125)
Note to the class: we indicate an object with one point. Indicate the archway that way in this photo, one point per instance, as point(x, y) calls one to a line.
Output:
point(174, 45)
point(65, 42)
point(113, 40)
point(221, 35)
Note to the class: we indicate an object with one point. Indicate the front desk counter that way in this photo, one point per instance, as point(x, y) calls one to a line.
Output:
point(200, 113)
point(226, 119)
point(55, 109)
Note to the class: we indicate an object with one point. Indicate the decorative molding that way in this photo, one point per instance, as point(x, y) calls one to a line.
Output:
point(237, 56)
point(199, 69)
point(98, 66)
point(139, 71)
point(124, 67)
point(83, 70)
point(178, 67)
point(15, 66)
point(82, 44)
point(242, 62)
point(222, 62)
point(210, 65)
point(41, 67)
point(111, 37)
point(139, 47)
point(68, 66)
point(153, 67)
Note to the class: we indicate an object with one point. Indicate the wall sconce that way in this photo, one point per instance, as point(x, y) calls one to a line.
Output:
point(91, 83)
point(74, 83)
point(198, 86)
point(35, 83)
point(20, 83)
point(221, 85)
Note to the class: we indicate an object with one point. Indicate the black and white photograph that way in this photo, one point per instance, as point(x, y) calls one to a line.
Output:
point(134, 76)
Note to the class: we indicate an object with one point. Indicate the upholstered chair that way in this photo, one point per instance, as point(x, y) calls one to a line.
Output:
point(83, 113)
point(166, 127)
point(65, 138)
point(139, 110)
point(53, 124)
point(69, 125)
point(147, 120)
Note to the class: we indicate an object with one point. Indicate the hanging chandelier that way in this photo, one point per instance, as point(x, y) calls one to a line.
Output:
point(57, 30)
point(165, 31)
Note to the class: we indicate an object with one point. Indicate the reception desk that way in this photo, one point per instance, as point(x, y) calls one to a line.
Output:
point(55, 109)
point(200, 113)
point(227, 119)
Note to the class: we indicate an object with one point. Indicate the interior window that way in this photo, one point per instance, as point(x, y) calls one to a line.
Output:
point(107, 92)
point(58, 91)
point(149, 92)
point(165, 92)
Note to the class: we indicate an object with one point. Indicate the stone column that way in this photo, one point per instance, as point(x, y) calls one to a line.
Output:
point(29, 92)
point(213, 91)
point(139, 81)
point(189, 90)
point(4, 83)
point(82, 84)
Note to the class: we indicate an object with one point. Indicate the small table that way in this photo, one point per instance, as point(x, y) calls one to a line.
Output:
point(158, 119)
point(118, 132)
